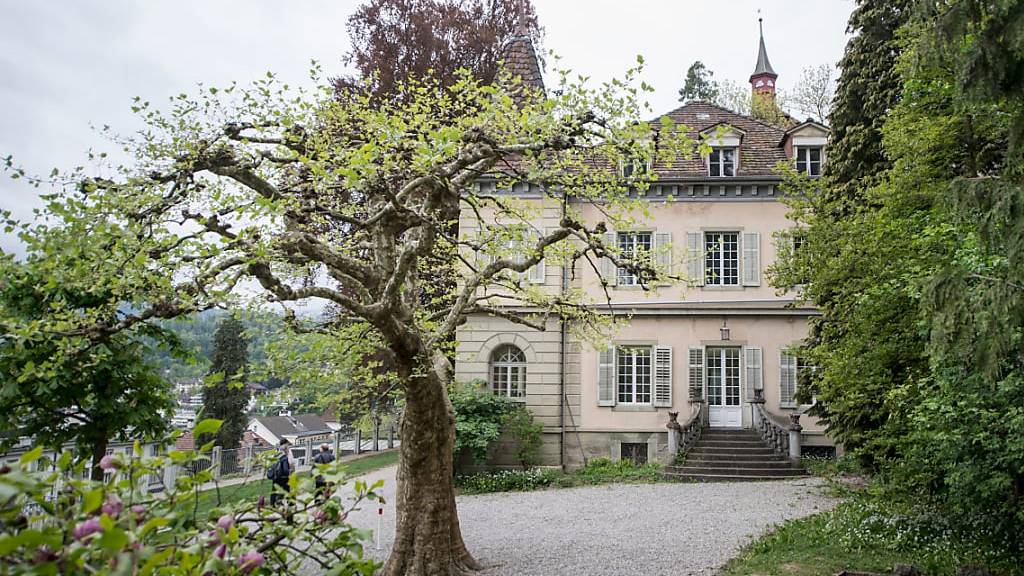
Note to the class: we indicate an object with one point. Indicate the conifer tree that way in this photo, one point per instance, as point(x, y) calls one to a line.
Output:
point(225, 399)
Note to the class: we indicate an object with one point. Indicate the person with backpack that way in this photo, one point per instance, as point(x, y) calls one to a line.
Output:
point(326, 456)
point(279, 473)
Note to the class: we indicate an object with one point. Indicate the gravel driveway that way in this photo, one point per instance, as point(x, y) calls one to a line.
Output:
point(615, 530)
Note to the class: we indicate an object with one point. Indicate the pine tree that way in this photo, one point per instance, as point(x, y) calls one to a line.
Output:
point(227, 397)
point(698, 84)
point(869, 86)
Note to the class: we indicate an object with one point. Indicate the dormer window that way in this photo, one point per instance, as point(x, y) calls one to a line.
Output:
point(808, 160)
point(634, 168)
point(722, 162)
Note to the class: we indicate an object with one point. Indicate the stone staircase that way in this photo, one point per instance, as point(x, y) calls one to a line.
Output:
point(730, 455)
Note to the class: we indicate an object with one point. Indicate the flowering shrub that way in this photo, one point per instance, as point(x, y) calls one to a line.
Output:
point(52, 521)
point(597, 471)
point(507, 480)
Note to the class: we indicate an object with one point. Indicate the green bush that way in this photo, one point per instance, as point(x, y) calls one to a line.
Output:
point(597, 471)
point(52, 521)
point(480, 417)
point(507, 480)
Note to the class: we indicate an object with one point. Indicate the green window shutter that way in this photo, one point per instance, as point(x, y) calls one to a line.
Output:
point(787, 379)
point(606, 377)
point(695, 258)
point(751, 259)
point(663, 253)
point(663, 376)
point(608, 269)
point(696, 371)
point(752, 362)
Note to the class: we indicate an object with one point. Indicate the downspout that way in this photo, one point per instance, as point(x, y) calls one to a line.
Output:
point(561, 375)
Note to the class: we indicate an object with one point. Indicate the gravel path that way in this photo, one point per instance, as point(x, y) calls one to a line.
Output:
point(615, 530)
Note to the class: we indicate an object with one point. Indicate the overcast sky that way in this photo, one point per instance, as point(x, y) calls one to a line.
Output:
point(67, 65)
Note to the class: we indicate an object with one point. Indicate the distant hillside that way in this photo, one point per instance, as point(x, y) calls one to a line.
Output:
point(196, 333)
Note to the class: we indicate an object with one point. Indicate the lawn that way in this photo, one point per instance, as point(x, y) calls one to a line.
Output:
point(258, 486)
point(872, 530)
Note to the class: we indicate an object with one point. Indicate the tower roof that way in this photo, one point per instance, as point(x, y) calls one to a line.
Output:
point(520, 59)
point(763, 66)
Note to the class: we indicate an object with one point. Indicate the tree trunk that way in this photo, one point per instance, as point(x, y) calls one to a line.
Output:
point(428, 541)
point(99, 450)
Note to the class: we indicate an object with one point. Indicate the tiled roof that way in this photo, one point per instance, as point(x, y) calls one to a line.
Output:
point(760, 147)
point(299, 425)
point(520, 59)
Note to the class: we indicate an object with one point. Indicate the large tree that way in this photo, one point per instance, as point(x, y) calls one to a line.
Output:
point(313, 197)
point(57, 394)
point(226, 396)
point(698, 84)
point(394, 41)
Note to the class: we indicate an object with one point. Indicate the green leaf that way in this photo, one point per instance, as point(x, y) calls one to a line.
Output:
point(32, 455)
point(92, 500)
point(113, 539)
point(208, 426)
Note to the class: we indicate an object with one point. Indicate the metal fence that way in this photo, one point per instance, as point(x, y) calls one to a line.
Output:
point(235, 464)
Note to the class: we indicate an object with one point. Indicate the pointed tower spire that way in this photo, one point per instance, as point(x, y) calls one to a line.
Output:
point(762, 81)
point(520, 58)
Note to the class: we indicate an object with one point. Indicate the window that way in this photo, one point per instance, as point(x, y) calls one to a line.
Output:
point(722, 162)
point(634, 374)
point(635, 452)
point(631, 244)
point(722, 258)
point(794, 372)
point(808, 160)
point(508, 372)
point(636, 167)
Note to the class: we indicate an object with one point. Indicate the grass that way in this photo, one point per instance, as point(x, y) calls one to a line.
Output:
point(258, 486)
point(872, 532)
point(597, 471)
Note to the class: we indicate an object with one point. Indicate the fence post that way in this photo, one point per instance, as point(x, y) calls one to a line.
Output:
point(309, 451)
point(337, 443)
point(376, 436)
point(359, 441)
point(247, 459)
point(215, 462)
point(391, 436)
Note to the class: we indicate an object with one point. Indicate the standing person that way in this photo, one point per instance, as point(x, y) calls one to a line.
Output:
point(324, 457)
point(279, 473)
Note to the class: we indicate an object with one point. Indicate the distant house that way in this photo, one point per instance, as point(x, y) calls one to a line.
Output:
point(296, 429)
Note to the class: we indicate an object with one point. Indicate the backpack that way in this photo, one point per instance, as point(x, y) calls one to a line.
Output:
point(277, 470)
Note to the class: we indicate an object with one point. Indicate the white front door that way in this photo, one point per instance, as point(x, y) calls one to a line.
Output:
point(723, 381)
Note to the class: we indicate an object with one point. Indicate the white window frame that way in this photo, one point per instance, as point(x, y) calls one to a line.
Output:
point(627, 377)
point(719, 267)
point(623, 276)
point(498, 365)
point(807, 162)
point(721, 164)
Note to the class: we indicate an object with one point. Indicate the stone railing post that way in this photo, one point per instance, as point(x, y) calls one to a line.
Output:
point(794, 438)
point(391, 436)
point(359, 441)
point(309, 452)
point(673, 433)
point(336, 440)
point(215, 462)
point(758, 399)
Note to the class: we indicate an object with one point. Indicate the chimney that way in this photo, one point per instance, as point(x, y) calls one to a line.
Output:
point(762, 81)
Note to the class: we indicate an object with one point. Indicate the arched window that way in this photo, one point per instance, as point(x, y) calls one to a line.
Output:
point(508, 371)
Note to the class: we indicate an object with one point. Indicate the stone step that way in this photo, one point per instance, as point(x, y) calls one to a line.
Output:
point(730, 443)
point(721, 477)
point(734, 471)
point(761, 451)
point(766, 455)
point(739, 462)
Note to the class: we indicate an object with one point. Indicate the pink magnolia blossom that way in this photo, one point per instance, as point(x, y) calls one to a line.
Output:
point(221, 551)
point(250, 561)
point(113, 506)
point(225, 522)
point(108, 463)
point(87, 528)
